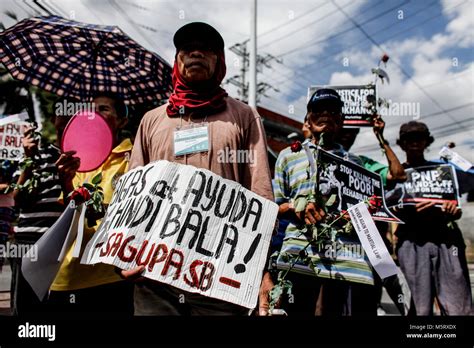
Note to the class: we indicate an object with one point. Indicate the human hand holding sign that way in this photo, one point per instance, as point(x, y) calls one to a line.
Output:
point(423, 206)
point(451, 209)
point(134, 274)
point(264, 294)
point(30, 142)
point(67, 166)
point(378, 126)
point(312, 214)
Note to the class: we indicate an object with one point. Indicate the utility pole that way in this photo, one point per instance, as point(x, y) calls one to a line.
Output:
point(253, 57)
point(240, 49)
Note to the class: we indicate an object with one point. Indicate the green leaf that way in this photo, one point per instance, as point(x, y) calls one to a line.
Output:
point(285, 257)
point(88, 186)
point(300, 204)
point(97, 179)
point(330, 202)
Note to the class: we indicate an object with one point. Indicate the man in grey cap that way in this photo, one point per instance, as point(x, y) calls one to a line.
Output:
point(431, 249)
point(198, 100)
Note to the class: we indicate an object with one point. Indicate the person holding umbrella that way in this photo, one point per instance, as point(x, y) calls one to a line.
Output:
point(198, 100)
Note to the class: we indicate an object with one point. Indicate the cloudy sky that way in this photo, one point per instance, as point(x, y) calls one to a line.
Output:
point(321, 42)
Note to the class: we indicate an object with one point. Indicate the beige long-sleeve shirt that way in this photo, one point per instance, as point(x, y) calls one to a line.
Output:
point(237, 149)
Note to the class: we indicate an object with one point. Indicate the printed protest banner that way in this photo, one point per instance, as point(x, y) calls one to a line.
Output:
point(11, 134)
point(191, 228)
point(434, 183)
point(359, 103)
point(350, 183)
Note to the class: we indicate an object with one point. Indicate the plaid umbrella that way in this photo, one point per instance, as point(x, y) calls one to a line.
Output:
point(80, 60)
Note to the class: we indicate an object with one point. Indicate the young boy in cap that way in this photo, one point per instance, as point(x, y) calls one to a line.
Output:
point(342, 287)
point(431, 248)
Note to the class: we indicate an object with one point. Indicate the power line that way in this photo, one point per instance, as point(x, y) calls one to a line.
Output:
point(291, 21)
point(417, 25)
point(36, 12)
point(284, 81)
point(302, 75)
point(469, 71)
point(298, 30)
point(311, 43)
point(240, 49)
point(300, 111)
point(56, 9)
point(48, 11)
point(404, 72)
point(447, 131)
point(117, 8)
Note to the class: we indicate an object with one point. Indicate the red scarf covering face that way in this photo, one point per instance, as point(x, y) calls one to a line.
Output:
point(206, 99)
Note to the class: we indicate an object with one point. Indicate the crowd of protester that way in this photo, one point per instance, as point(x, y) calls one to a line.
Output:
point(430, 249)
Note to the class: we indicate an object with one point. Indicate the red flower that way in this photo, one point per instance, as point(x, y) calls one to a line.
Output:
point(296, 146)
point(385, 58)
point(345, 214)
point(80, 195)
point(375, 204)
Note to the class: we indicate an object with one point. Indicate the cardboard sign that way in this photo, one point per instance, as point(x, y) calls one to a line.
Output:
point(350, 183)
point(11, 135)
point(191, 228)
point(358, 101)
point(435, 183)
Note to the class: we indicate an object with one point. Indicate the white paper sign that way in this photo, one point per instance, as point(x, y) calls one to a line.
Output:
point(5, 119)
point(455, 158)
point(11, 134)
point(191, 228)
point(371, 241)
point(40, 271)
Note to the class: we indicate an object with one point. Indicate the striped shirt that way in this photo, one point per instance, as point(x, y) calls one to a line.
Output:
point(293, 179)
point(40, 209)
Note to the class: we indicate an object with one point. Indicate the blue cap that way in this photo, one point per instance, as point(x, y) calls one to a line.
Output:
point(324, 96)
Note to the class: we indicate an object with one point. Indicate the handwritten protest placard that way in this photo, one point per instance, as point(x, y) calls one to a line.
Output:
point(359, 102)
point(11, 135)
point(434, 183)
point(350, 183)
point(191, 228)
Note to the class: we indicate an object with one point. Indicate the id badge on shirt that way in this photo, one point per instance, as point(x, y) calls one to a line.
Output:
point(191, 139)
